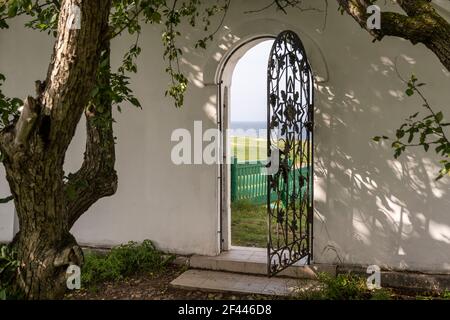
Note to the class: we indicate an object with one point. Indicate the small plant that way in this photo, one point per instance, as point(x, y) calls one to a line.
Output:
point(427, 131)
point(343, 287)
point(381, 294)
point(121, 262)
point(8, 271)
point(446, 295)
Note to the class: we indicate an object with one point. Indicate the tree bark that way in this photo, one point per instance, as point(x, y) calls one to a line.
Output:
point(34, 150)
point(420, 24)
point(97, 177)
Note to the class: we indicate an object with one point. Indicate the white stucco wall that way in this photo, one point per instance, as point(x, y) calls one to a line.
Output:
point(369, 208)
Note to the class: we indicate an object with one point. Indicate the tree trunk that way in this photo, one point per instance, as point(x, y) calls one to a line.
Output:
point(34, 148)
point(44, 245)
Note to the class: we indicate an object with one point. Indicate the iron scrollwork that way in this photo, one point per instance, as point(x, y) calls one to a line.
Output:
point(290, 133)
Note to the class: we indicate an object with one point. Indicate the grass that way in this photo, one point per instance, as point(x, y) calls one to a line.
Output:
point(8, 272)
point(121, 262)
point(254, 149)
point(343, 287)
point(248, 225)
point(445, 295)
point(249, 148)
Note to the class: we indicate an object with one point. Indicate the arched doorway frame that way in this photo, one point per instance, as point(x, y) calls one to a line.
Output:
point(223, 78)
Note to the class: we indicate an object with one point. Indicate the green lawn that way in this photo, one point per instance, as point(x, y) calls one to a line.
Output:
point(252, 149)
point(249, 221)
point(248, 225)
point(248, 148)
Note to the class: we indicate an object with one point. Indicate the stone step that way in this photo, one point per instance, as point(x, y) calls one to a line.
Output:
point(254, 261)
point(227, 282)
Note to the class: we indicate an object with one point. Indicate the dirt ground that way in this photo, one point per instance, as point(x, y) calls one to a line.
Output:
point(153, 287)
point(157, 287)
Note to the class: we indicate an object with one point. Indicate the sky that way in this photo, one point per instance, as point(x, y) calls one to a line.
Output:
point(249, 85)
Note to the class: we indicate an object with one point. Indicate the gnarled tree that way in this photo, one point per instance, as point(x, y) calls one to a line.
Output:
point(79, 80)
point(34, 148)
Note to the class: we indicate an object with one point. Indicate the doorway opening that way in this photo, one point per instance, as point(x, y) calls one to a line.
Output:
point(267, 117)
point(248, 147)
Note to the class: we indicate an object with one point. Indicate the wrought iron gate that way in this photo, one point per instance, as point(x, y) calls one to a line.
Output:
point(290, 95)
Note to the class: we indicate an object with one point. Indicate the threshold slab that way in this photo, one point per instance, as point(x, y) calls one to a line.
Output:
point(217, 281)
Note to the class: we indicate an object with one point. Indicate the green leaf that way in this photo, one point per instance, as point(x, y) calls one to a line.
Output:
point(135, 102)
point(439, 117)
point(95, 91)
point(12, 10)
point(440, 148)
point(411, 136)
point(377, 139)
point(3, 24)
point(414, 115)
point(409, 92)
point(3, 294)
point(156, 17)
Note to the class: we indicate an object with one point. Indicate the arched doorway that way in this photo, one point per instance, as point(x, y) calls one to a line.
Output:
point(248, 147)
point(269, 181)
point(236, 62)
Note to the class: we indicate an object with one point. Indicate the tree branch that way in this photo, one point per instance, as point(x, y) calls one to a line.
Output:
point(421, 24)
point(77, 50)
point(97, 177)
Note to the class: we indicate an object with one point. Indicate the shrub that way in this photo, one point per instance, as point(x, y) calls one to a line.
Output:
point(8, 271)
point(343, 287)
point(123, 261)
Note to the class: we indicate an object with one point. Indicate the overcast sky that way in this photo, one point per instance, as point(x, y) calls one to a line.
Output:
point(249, 86)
